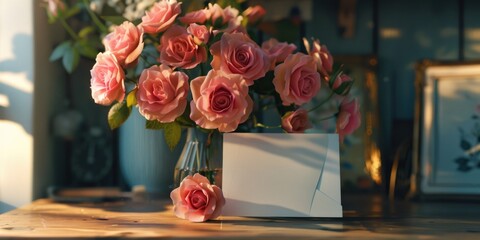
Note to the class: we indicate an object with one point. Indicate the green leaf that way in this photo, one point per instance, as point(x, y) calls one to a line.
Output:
point(51, 19)
point(84, 48)
point(116, 20)
point(154, 125)
point(72, 11)
point(60, 50)
point(70, 59)
point(172, 133)
point(185, 121)
point(131, 98)
point(118, 114)
point(85, 31)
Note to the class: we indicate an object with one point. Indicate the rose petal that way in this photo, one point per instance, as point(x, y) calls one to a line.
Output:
point(199, 178)
point(220, 202)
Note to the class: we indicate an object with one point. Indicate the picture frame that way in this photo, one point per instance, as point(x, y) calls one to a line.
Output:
point(446, 149)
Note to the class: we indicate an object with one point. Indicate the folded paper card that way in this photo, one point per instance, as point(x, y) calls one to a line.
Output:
point(281, 175)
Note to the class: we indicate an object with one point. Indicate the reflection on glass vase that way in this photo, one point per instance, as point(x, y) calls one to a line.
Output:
point(202, 154)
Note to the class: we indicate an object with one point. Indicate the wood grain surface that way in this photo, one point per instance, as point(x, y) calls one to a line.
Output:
point(368, 217)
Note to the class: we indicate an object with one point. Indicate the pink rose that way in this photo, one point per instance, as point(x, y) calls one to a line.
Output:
point(237, 53)
point(162, 93)
point(220, 100)
point(349, 117)
point(296, 122)
point(228, 17)
point(200, 33)
point(297, 80)
point(199, 17)
point(160, 16)
point(216, 14)
point(254, 13)
point(233, 26)
point(178, 48)
point(54, 6)
point(341, 78)
point(230, 13)
point(197, 200)
point(277, 51)
point(125, 42)
point(107, 82)
point(322, 56)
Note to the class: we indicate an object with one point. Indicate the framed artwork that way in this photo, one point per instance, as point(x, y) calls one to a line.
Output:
point(447, 128)
point(360, 159)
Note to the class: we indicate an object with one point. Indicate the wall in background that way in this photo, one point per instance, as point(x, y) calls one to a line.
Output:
point(407, 32)
point(472, 30)
point(429, 30)
point(31, 93)
point(16, 92)
point(48, 100)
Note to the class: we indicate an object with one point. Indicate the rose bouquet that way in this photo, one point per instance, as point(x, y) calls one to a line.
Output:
point(205, 69)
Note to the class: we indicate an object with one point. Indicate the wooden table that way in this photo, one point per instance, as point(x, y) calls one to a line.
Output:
point(365, 216)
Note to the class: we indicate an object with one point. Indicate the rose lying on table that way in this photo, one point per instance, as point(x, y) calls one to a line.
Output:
point(197, 200)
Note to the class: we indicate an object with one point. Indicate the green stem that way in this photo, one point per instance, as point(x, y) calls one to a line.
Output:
point(68, 29)
point(202, 70)
point(323, 102)
point(95, 19)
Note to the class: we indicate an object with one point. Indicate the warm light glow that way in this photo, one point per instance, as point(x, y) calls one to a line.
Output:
point(15, 164)
point(4, 102)
point(373, 165)
point(390, 33)
point(473, 150)
point(473, 34)
point(475, 47)
point(19, 81)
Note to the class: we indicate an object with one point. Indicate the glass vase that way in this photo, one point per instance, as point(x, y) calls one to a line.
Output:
point(202, 154)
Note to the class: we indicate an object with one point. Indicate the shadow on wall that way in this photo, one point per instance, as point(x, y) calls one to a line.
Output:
point(16, 86)
point(5, 207)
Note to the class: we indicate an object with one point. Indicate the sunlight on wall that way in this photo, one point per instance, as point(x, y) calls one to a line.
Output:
point(16, 100)
point(4, 102)
point(15, 164)
point(17, 81)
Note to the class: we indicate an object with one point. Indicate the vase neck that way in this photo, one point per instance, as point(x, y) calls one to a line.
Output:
point(197, 135)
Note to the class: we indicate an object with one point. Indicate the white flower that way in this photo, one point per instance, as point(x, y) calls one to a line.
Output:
point(136, 8)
